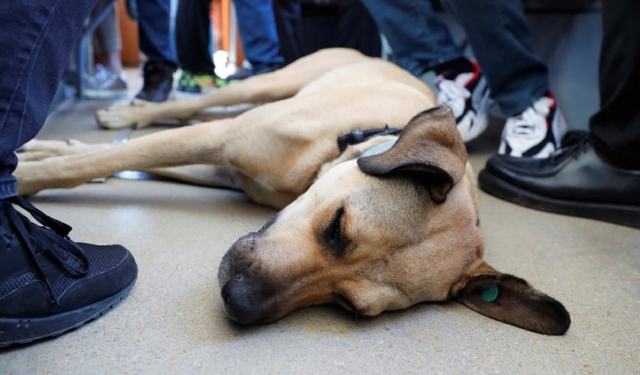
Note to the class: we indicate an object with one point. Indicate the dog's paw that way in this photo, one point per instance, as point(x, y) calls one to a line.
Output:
point(118, 117)
point(36, 150)
point(141, 103)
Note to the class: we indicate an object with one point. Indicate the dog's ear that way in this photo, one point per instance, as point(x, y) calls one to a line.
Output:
point(511, 300)
point(430, 145)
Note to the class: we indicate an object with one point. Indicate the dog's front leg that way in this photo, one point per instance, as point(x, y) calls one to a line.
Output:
point(200, 144)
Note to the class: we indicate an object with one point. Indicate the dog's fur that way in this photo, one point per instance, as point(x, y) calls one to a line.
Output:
point(382, 232)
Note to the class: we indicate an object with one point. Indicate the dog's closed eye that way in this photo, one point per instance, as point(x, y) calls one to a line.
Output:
point(333, 237)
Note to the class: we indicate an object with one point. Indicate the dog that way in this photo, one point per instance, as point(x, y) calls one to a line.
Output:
point(382, 223)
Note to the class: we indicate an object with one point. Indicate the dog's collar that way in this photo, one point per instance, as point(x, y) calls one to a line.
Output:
point(378, 149)
point(359, 136)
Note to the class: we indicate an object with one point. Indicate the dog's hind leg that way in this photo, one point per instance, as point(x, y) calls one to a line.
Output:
point(263, 88)
point(202, 174)
point(228, 178)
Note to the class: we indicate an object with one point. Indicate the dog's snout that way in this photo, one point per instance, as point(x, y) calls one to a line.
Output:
point(237, 259)
point(244, 299)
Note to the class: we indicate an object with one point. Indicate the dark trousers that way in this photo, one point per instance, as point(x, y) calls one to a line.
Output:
point(36, 39)
point(257, 28)
point(306, 27)
point(288, 16)
point(155, 31)
point(616, 126)
point(193, 36)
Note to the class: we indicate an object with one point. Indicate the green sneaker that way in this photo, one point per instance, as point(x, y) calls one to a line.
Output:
point(197, 83)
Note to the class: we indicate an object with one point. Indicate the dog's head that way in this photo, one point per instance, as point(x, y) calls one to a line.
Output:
point(382, 233)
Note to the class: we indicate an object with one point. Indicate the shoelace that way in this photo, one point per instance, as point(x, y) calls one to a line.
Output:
point(573, 143)
point(452, 94)
point(40, 239)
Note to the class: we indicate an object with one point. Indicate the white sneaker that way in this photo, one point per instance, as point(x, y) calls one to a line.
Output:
point(536, 132)
point(105, 84)
point(467, 94)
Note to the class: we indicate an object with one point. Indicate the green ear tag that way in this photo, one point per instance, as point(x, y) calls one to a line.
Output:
point(489, 292)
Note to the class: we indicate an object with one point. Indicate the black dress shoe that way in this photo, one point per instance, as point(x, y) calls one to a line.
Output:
point(158, 82)
point(573, 181)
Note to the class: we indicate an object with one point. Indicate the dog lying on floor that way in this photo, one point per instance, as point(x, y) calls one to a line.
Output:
point(382, 223)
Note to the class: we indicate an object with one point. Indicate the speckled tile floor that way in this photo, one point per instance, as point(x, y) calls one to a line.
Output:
point(173, 322)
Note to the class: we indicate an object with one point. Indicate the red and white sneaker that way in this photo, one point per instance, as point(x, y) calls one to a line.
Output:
point(467, 94)
point(536, 132)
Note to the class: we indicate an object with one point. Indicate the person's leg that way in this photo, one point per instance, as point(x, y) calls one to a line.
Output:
point(591, 175)
point(357, 29)
point(419, 39)
point(47, 40)
point(47, 280)
point(107, 42)
point(259, 35)
point(615, 128)
point(288, 17)
point(193, 36)
point(154, 18)
point(154, 31)
point(108, 80)
point(501, 40)
point(518, 79)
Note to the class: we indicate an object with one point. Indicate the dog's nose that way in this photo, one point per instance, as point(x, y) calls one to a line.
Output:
point(244, 301)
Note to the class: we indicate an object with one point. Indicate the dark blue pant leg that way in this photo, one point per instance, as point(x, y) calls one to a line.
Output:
point(155, 32)
point(418, 37)
point(257, 26)
point(36, 40)
point(193, 36)
point(501, 40)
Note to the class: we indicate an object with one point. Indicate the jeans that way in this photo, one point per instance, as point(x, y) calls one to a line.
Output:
point(497, 31)
point(257, 26)
point(36, 40)
point(155, 32)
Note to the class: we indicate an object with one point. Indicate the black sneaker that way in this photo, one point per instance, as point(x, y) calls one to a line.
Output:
point(158, 82)
point(50, 284)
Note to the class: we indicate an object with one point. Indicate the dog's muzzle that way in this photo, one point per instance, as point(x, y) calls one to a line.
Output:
point(245, 293)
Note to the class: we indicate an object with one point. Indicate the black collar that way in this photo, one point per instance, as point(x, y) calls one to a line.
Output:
point(358, 136)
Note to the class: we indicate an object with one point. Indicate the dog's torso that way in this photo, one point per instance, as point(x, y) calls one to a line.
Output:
point(291, 139)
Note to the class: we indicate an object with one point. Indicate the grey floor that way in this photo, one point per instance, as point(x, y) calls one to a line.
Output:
point(173, 322)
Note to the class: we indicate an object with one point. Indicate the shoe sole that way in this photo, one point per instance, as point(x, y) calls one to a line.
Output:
point(24, 331)
point(613, 213)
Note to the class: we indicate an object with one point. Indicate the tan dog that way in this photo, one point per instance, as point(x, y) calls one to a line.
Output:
point(384, 231)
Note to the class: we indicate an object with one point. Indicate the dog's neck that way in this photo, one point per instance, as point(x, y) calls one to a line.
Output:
point(378, 149)
point(372, 146)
